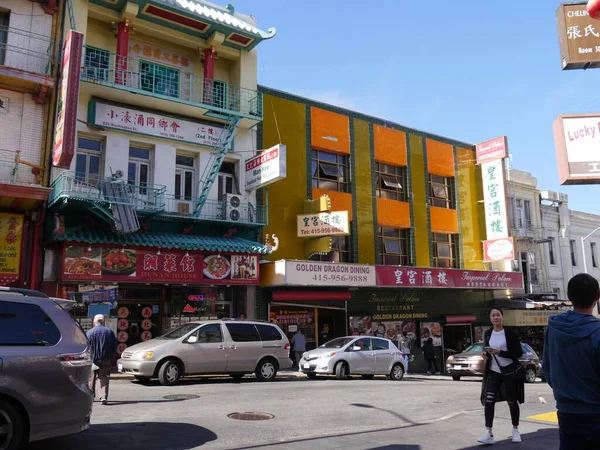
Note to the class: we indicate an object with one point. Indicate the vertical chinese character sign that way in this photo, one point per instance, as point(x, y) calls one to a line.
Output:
point(11, 238)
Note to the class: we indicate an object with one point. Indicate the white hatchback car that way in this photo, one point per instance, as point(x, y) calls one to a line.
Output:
point(355, 355)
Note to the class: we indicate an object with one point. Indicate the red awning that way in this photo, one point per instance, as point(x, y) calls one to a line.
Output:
point(456, 319)
point(310, 295)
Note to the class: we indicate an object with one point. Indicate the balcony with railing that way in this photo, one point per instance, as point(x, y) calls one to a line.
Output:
point(139, 76)
point(25, 56)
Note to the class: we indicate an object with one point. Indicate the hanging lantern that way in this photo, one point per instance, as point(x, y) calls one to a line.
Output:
point(593, 9)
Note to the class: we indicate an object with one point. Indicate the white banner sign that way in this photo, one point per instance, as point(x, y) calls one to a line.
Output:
point(309, 273)
point(266, 168)
point(151, 124)
point(323, 224)
point(494, 197)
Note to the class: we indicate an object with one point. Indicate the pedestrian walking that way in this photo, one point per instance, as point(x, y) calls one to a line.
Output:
point(404, 344)
point(504, 376)
point(429, 353)
point(298, 345)
point(571, 366)
point(104, 347)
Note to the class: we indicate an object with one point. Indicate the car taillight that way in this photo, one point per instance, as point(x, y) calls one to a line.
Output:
point(287, 346)
point(76, 359)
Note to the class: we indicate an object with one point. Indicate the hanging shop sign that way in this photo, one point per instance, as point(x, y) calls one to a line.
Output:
point(525, 318)
point(312, 273)
point(123, 118)
point(334, 223)
point(577, 142)
point(494, 197)
point(492, 150)
point(68, 98)
point(499, 249)
point(447, 278)
point(11, 239)
point(578, 37)
point(266, 168)
point(131, 265)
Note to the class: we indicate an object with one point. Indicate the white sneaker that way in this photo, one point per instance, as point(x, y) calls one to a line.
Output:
point(487, 438)
point(516, 437)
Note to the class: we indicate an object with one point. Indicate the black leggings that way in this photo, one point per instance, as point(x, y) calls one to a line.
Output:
point(431, 366)
point(494, 381)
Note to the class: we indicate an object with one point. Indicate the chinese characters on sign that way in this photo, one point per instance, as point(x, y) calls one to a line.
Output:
point(494, 197)
point(579, 37)
point(151, 124)
point(11, 236)
point(323, 224)
point(577, 141)
point(150, 52)
point(520, 318)
point(266, 168)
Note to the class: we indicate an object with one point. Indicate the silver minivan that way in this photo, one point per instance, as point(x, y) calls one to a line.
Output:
point(229, 347)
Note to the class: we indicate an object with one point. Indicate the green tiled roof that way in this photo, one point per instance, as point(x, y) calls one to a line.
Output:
point(162, 240)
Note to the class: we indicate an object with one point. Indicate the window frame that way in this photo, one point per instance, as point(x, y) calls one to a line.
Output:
point(445, 239)
point(551, 255)
point(181, 170)
point(170, 71)
point(321, 180)
point(96, 63)
point(89, 154)
point(573, 251)
point(399, 173)
point(593, 251)
point(403, 238)
point(527, 214)
point(437, 182)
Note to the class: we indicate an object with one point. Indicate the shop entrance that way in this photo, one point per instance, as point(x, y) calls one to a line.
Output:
point(457, 338)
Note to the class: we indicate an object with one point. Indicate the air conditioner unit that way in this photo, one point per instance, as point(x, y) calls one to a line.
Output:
point(183, 208)
point(235, 208)
point(552, 196)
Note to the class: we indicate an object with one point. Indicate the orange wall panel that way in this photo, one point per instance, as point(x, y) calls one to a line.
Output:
point(329, 131)
point(443, 220)
point(440, 158)
point(340, 201)
point(392, 213)
point(390, 146)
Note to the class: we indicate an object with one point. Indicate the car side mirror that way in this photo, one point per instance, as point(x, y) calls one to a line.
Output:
point(192, 340)
point(356, 348)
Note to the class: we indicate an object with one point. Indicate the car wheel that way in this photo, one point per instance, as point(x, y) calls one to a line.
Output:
point(397, 372)
point(456, 377)
point(237, 376)
point(266, 370)
point(141, 379)
point(341, 371)
point(312, 376)
point(169, 373)
point(530, 375)
point(11, 427)
point(367, 377)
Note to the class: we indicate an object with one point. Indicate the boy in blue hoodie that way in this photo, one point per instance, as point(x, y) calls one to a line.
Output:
point(571, 365)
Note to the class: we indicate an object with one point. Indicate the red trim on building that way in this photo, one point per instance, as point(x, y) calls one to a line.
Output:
point(172, 17)
point(122, 52)
point(310, 295)
point(465, 318)
point(239, 39)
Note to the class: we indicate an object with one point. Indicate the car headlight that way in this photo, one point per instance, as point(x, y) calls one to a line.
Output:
point(476, 358)
point(450, 358)
point(145, 355)
point(326, 355)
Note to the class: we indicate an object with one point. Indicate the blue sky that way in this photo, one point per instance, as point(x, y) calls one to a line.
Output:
point(469, 70)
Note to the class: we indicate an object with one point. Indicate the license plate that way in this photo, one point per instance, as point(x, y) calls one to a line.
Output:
point(120, 367)
point(457, 367)
point(307, 366)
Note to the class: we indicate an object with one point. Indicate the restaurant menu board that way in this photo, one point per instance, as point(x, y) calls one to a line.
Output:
point(125, 264)
point(431, 330)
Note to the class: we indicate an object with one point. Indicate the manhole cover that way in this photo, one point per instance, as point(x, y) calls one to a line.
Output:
point(181, 397)
point(250, 416)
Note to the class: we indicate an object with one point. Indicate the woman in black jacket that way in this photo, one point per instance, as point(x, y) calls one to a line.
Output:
point(503, 348)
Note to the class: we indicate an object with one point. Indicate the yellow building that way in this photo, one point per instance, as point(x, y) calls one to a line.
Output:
point(411, 257)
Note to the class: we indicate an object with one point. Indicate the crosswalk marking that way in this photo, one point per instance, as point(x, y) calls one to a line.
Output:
point(546, 417)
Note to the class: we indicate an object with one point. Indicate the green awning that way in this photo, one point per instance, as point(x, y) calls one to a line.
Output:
point(91, 235)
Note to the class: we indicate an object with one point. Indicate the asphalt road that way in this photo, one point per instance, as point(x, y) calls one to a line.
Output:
point(417, 413)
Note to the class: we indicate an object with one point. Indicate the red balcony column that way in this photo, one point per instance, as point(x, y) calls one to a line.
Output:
point(209, 75)
point(122, 52)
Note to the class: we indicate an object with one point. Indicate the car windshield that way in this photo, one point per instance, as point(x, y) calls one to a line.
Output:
point(180, 332)
point(475, 348)
point(337, 343)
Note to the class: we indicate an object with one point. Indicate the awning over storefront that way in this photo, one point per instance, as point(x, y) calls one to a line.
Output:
point(460, 318)
point(310, 295)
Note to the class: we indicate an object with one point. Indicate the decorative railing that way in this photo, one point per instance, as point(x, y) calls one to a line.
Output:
point(143, 76)
point(215, 210)
point(74, 185)
point(25, 50)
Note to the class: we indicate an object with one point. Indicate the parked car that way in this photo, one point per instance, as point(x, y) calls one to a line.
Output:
point(45, 366)
point(236, 348)
point(472, 363)
point(355, 355)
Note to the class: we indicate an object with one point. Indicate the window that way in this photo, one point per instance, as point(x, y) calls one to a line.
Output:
point(329, 171)
point(159, 79)
point(184, 177)
point(243, 332)
point(88, 160)
point(268, 332)
point(594, 255)
point(138, 172)
point(573, 246)
point(219, 94)
point(364, 344)
point(445, 252)
point(209, 334)
point(527, 213)
point(551, 251)
point(519, 219)
point(380, 344)
point(4, 21)
point(227, 181)
point(394, 244)
point(340, 250)
point(391, 182)
point(441, 193)
point(96, 64)
point(24, 324)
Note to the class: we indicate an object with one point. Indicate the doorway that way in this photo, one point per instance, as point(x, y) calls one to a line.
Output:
point(332, 324)
point(457, 337)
